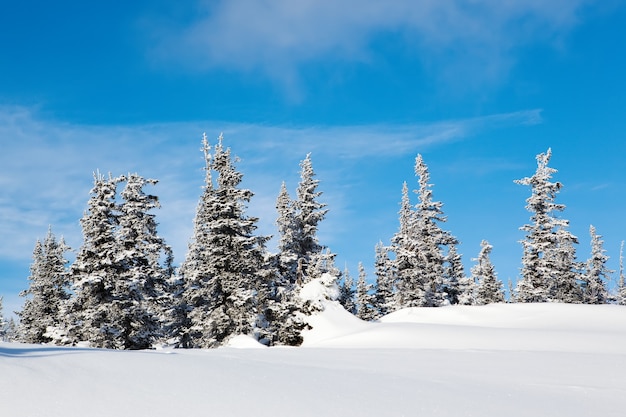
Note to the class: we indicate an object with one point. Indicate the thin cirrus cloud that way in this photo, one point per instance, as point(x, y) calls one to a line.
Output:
point(46, 165)
point(279, 36)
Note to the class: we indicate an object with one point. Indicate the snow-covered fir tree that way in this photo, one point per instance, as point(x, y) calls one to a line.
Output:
point(621, 285)
point(540, 244)
point(48, 291)
point(457, 286)
point(384, 298)
point(282, 318)
point(142, 301)
point(94, 273)
point(597, 273)
point(488, 287)
point(308, 213)
point(8, 330)
point(288, 247)
point(301, 257)
point(364, 297)
point(3, 322)
point(419, 246)
point(224, 268)
point(566, 271)
point(347, 292)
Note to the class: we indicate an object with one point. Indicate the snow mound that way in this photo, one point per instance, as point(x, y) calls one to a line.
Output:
point(333, 322)
point(491, 361)
point(508, 327)
point(244, 342)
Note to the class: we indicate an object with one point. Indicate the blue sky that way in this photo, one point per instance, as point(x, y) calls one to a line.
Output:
point(478, 88)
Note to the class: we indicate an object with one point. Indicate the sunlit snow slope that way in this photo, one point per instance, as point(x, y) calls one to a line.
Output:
point(497, 360)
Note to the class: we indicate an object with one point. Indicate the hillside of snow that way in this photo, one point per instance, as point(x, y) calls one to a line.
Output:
point(496, 360)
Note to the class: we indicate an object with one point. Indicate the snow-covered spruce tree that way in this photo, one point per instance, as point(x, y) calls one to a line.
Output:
point(566, 271)
point(347, 292)
point(281, 317)
point(8, 328)
point(142, 302)
point(283, 307)
point(4, 325)
point(621, 285)
point(308, 213)
point(223, 270)
point(89, 316)
point(47, 292)
point(301, 256)
point(384, 288)
point(288, 247)
point(419, 246)
point(458, 288)
point(540, 243)
point(364, 297)
point(489, 288)
point(596, 273)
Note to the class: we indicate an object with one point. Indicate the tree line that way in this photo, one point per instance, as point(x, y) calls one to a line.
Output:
point(123, 291)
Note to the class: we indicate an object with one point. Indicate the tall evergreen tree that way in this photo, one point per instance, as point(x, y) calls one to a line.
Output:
point(364, 297)
point(142, 301)
point(3, 323)
point(540, 244)
point(489, 288)
point(223, 271)
point(8, 329)
point(566, 272)
point(347, 293)
point(47, 293)
point(384, 300)
point(308, 213)
point(621, 286)
point(94, 272)
point(597, 273)
point(288, 247)
point(301, 257)
point(456, 286)
point(419, 246)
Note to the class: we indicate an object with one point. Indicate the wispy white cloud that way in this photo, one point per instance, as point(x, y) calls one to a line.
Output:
point(46, 166)
point(277, 37)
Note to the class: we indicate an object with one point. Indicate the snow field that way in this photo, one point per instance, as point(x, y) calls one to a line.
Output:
point(496, 360)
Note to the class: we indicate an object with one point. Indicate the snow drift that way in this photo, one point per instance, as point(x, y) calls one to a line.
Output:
point(495, 360)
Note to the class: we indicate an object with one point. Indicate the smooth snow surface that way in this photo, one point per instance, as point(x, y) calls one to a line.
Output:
point(496, 360)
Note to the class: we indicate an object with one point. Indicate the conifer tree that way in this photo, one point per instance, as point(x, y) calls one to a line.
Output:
point(456, 286)
point(540, 244)
point(301, 256)
point(142, 302)
point(4, 326)
point(597, 273)
point(419, 246)
point(489, 288)
point(94, 273)
point(384, 299)
point(288, 235)
point(308, 213)
point(347, 292)
point(223, 271)
point(281, 310)
point(621, 287)
point(47, 293)
point(8, 328)
point(566, 275)
point(364, 297)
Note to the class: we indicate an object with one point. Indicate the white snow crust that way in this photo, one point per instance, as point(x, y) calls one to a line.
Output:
point(495, 360)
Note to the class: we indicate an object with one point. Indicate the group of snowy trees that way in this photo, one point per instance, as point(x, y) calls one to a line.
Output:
point(550, 270)
point(123, 292)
